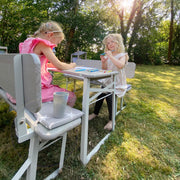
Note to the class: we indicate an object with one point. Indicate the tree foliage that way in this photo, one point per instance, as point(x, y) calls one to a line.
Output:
point(82, 26)
point(144, 25)
point(20, 18)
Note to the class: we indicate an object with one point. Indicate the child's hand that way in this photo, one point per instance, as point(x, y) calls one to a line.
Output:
point(109, 53)
point(73, 65)
point(103, 59)
point(50, 65)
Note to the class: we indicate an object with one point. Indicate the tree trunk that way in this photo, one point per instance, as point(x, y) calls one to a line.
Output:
point(69, 42)
point(71, 31)
point(130, 20)
point(171, 33)
point(137, 22)
point(121, 17)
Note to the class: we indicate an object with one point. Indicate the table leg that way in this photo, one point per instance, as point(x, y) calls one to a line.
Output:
point(84, 128)
point(84, 156)
point(113, 104)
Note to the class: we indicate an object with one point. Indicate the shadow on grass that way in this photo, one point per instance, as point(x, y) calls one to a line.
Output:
point(144, 145)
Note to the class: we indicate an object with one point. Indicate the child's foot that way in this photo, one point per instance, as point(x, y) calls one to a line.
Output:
point(92, 116)
point(108, 126)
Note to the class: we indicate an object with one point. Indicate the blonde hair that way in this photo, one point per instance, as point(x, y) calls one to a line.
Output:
point(47, 27)
point(117, 38)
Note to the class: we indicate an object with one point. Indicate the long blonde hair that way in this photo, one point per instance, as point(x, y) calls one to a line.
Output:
point(47, 27)
point(116, 38)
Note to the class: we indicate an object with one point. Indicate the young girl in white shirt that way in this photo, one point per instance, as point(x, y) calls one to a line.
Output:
point(115, 59)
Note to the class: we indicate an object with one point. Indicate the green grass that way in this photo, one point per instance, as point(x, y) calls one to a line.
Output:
point(144, 145)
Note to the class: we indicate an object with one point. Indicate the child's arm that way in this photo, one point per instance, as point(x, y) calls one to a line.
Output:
point(41, 48)
point(119, 63)
point(104, 62)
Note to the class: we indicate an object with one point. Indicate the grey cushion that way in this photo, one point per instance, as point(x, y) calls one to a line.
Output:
point(45, 116)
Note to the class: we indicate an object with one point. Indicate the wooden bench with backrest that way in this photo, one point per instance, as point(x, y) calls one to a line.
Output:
point(130, 73)
point(20, 77)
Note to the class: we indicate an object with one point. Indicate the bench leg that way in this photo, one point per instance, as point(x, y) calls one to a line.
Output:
point(33, 156)
point(67, 82)
point(122, 105)
point(31, 163)
point(61, 161)
point(63, 148)
point(74, 85)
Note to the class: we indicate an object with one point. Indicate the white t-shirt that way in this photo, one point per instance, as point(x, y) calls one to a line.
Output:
point(121, 84)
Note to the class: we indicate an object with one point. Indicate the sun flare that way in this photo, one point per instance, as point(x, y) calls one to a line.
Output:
point(124, 4)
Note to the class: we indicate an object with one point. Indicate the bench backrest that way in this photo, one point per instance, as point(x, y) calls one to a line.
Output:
point(20, 77)
point(130, 70)
point(89, 63)
point(3, 49)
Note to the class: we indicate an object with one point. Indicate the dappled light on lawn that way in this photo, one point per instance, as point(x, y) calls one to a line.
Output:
point(164, 110)
point(135, 154)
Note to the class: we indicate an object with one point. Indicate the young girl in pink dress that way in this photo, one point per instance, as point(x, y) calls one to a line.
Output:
point(48, 36)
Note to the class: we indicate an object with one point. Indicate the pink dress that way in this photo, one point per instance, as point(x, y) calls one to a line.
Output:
point(47, 89)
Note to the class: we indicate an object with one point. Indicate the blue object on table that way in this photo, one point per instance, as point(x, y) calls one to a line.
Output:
point(93, 70)
point(77, 70)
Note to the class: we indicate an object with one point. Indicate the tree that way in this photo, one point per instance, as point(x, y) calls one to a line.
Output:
point(20, 18)
point(171, 32)
point(82, 24)
point(9, 24)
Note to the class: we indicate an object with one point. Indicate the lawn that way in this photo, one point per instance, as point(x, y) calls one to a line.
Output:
point(144, 145)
